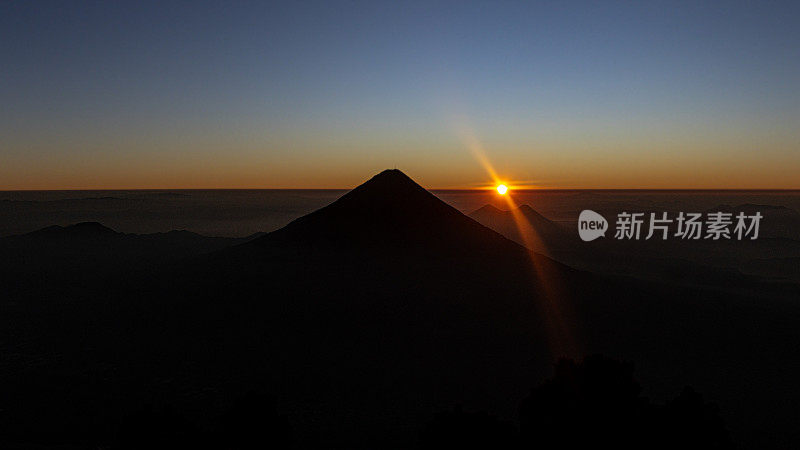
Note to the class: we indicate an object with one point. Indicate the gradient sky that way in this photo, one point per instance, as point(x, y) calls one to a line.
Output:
point(324, 94)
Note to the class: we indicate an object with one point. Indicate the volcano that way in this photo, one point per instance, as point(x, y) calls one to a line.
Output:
point(388, 304)
point(390, 211)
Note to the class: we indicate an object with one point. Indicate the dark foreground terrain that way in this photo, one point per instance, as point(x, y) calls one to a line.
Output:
point(386, 319)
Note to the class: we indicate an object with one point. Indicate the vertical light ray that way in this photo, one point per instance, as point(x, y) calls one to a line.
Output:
point(555, 301)
point(474, 145)
point(552, 293)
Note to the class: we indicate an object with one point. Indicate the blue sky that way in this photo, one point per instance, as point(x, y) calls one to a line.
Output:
point(322, 94)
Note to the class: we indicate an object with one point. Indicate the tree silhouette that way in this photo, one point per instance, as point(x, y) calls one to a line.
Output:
point(598, 401)
point(593, 403)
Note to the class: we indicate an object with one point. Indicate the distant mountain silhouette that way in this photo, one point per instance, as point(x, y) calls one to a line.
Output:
point(728, 263)
point(523, 225)
point(78, 230)
point(91, 245)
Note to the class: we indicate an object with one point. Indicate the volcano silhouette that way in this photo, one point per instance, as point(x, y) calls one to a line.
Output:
point(391, 211)
point(387, 303)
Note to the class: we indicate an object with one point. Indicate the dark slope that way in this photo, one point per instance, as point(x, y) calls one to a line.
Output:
point(365, 318)
point(412, 306)
point(372, 313)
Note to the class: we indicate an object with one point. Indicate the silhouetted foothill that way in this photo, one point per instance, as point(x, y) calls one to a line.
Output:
point(91, 249)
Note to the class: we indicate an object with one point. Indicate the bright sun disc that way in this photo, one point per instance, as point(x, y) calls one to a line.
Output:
point(502, 189)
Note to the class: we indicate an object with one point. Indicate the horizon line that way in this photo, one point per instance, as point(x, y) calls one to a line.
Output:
point(524, 190)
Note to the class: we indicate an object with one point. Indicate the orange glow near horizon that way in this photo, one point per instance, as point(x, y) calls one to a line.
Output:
point(535, 170)
point(523, 166)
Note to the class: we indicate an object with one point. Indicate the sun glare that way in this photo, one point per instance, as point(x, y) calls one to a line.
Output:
point(502, 189)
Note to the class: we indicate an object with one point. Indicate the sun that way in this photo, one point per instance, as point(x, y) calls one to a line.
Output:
point(502, 189)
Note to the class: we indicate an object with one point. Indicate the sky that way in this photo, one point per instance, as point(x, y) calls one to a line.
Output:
point(195, 94)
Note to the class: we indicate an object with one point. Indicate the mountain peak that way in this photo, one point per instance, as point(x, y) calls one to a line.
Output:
point(527, 209)
point(491, 209)
point(389, 195)
point(395, 175)
point(488, 209)
point(82, 230)
point(390, 183)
